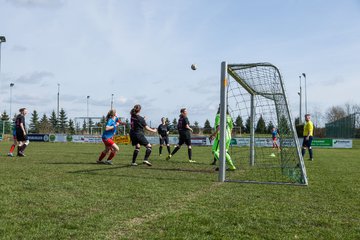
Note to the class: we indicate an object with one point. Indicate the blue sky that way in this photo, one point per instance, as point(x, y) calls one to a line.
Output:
point(141, 52)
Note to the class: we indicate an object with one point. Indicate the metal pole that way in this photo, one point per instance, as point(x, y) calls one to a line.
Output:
point(223, 105)
point(300, 117)
point(2, 39)
point(87, 112)
point(112, 101)
point(0, 61)
point(306, 109)
point(252, 131)
point(0, 66)
point(58, 100)
point(11, 86)
point(87, 107)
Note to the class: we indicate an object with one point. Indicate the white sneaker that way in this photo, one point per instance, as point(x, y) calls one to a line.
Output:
point(147, 163)
point(134, 164)
point(10, 155)
point(192, 161)
point(108, 162)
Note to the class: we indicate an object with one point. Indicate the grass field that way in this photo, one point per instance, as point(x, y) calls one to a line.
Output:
point(57, 192)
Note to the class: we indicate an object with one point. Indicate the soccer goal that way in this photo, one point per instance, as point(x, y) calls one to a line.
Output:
point(255, 92)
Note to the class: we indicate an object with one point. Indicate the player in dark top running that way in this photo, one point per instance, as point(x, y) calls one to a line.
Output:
point(137, 135)
point(21, 134)
point(184, 134)
point(163, 131)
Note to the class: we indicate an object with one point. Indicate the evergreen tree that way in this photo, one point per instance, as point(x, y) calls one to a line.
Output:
point(260, 126)
point(103, 122)
point(196, 128)
point(167, 121)
point(62, 121)
point(54, 122)
point(247, 125)
point(207, 127)
point(4, 116)
point(284, 128)
point(270, 126)
point(77, 128)
point(84, 127)
point(44, 125)
point(174, 126)
point(34, 122)
point(239, 125)
point(90, 126)
point(174, 122)
point(127, 130)
point(71, 127)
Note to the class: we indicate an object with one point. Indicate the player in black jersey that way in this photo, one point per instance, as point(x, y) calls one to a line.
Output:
point(137, 135)
point(21, 134)
point(163, 131)
point(184, 134)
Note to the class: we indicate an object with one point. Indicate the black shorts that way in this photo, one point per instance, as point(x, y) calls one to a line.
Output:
point(184, 138)
point(138, 138)
point(20, 136)
point(307, 143)
point(164, 140)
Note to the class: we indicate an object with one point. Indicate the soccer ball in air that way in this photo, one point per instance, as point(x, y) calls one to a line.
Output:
point(193, 67)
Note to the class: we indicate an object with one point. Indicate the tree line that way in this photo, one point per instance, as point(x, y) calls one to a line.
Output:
point(61, 124)
point(239, 126)
point(52, 124)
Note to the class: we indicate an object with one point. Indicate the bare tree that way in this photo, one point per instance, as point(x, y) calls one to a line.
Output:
point(355, 108)
point(317, 116)
point(335, 113)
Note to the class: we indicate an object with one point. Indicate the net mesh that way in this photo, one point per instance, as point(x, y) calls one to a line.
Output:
point(269, 165)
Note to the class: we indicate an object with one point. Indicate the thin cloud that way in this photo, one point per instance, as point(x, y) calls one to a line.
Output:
point(333, 81)
point(19, 48)
point(34, 78)
point(31, 99)
point(37, 3)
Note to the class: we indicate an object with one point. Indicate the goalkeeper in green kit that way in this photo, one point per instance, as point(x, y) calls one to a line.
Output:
point(216, 136)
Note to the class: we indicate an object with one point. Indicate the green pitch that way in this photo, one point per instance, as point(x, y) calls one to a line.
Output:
point(57, 192)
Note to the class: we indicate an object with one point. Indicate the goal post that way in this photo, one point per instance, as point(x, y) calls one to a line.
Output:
point(255, 92)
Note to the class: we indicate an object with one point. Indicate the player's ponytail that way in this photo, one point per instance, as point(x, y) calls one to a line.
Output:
point(110, 114)
point(136, 109)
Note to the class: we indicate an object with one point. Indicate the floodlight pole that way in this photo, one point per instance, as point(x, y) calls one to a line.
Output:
point(58, 100)
point(2, 39)
point(300, 93)
point(223, 105)
point(87, 106)
point(112, 101)
point(306, 111)
point(11, 86)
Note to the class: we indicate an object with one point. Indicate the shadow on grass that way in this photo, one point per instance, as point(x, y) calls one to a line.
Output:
point(71, 163)
point(100, 171)
point(105, 168)
point(182, 170)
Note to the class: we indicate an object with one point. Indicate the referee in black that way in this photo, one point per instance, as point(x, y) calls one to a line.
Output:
point(163, 130)
point(21, 134)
